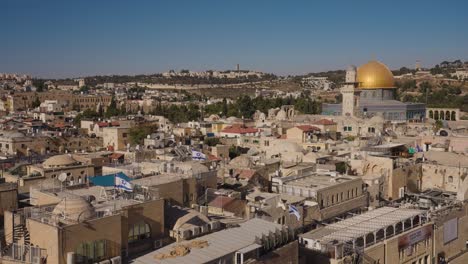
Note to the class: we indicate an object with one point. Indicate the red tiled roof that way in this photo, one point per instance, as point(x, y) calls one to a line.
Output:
point(213, 158)
point(115, 123)
point(237, 129)
point(307, 128)
point(103, 124)
point(221, 201)
point(116, 155)
point(245, 174)
point(324, 122)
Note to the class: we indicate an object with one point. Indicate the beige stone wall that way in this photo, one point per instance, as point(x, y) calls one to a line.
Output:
point(295, 134)
point(171, 191)
point(152, 213)
point(47, 237)
point(73, 172)
point(116, 137)
point(98, 229)
point(442, 177)
point(457, 246)
point(8, 198)
point(338, 193)
point(407, 176)
point(39, 198)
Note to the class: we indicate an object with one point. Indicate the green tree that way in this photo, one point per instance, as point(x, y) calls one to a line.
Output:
point(139, 133)
point(225, 107)
point(112, 109)
point(36, 102)
point(211, 141)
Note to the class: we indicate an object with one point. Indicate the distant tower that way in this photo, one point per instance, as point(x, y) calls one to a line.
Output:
point(81, 83)
point(350, 95)
point(418, 65)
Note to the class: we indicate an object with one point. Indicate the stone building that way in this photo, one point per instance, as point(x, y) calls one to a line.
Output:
point(370, 90)
point(74, 229)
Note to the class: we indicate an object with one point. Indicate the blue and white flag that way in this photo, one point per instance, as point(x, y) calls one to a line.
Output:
point(293, 210)
point(197, 155)
point(123, 184)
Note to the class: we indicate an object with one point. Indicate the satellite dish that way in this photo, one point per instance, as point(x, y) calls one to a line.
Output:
point(62, 177)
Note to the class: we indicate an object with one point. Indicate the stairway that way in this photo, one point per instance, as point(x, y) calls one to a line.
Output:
point(19, 232)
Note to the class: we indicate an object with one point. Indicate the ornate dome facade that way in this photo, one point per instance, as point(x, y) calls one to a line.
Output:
point(374, 75)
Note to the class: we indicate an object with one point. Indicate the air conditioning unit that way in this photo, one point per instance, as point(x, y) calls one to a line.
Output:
point(107, 261)
point(116, 260)
point(157, 244)
point(195, 207)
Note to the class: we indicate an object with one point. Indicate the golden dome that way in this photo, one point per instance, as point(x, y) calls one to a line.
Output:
point(374, 75)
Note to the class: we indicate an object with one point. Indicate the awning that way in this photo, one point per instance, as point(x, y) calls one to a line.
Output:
point(108, 180)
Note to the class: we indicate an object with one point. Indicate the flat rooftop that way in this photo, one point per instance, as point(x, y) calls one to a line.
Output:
point(104, 201)
point(157, 179)
point(218, 244)
point(361, 225)
point(316, 181)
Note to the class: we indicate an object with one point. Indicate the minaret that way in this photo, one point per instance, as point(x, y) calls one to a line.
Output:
point(350, 95)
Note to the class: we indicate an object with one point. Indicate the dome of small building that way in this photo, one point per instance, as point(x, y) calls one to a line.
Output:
point(374, 75)
point(241, 161)
point(74, 208)
point(60, 161)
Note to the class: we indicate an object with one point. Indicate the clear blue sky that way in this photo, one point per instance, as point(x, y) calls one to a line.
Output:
point(81, 37)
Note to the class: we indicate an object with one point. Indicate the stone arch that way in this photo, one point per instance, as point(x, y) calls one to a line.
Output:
point(447, 115)
point(431, 114)
point(370, 238)
point(453, 116)
point(390, 231)
point(380, 235)
point(398, 227)
point(436, 115)
point(407, 224)
point(442, 115)
point(360, 242)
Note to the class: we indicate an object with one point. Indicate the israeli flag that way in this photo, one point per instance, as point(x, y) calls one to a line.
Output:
point(197, 155)
point(293, 210)
point(123, 184)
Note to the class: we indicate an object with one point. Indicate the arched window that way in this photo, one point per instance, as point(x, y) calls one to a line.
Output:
point(450, 179)
point(454, 116)
point(90, 252)
point(139, 231)
point(431, 114)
